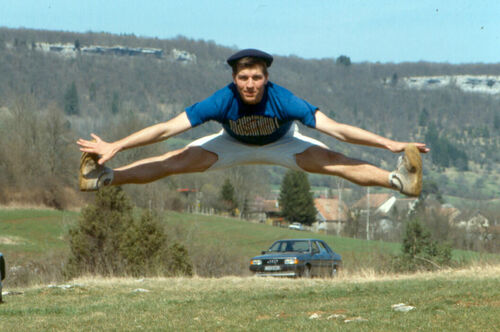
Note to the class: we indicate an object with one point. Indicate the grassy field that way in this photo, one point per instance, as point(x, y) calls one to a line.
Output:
point(460, 300)
point(34, 231)
point(359, 299)
point(32, 235)
point(250, 238)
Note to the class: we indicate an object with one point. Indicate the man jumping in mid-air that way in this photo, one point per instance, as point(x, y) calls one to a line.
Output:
point(257, 117)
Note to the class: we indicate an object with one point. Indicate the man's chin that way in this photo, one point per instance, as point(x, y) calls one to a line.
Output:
point(250, 101)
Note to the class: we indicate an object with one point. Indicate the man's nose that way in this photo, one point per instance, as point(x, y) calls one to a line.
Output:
point(250, 83)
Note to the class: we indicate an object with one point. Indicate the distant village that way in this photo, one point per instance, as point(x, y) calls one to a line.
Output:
point(379, 215)
point(486, 84)
point(72, 50)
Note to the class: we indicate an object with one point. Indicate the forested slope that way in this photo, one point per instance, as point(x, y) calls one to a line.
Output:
point(48, 99)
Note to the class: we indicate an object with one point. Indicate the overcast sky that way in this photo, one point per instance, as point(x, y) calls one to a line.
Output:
point(455, 31)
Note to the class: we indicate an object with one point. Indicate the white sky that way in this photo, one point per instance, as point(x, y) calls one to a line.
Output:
point(456, 31)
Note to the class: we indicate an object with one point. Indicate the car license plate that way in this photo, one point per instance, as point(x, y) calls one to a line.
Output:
point(272, 268)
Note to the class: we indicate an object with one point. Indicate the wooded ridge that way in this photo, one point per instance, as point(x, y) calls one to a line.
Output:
point(57, 86)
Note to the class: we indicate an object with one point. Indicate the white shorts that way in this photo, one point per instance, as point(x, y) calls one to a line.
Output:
point(232, 152)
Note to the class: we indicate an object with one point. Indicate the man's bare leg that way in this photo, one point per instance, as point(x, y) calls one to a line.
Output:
point(185, 160)
point(323, 161)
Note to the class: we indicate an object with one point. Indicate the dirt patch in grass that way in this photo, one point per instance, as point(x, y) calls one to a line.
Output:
point(11, 240)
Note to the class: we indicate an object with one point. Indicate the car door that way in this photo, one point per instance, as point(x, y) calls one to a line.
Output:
point(325, 259)
point(316, 261)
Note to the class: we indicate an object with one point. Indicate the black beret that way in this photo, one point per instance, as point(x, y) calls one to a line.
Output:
point(250, 52)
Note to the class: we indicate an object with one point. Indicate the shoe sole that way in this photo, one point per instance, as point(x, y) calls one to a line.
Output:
point(85, 168)
point(413, 163)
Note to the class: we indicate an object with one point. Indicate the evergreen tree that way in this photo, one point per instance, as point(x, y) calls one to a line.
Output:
point(444, 153)
point(115, 103)
point(227, 196)
point(343, 60)
point(296, 199)
point(424, 117)
point(496, 121)
point(93, 91)
point(71, 104)
point(419, 251)
point(109, 241)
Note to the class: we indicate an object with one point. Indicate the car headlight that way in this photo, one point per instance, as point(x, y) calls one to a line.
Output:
point(256, 262)
point(291, 261)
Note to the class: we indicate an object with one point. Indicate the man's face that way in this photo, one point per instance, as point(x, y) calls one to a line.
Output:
point(251, 83)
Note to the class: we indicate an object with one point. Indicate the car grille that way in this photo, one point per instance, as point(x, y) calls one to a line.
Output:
point(273, 261)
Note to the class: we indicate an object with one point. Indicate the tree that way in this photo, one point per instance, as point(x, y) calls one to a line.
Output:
point(496, 121)
point(227, 196)
point(71, 103)
point(419, 251)
point(115, 103)
point(93, 91)
point(343, 60)
point(109, 241)
point(296, 200)
point(145, 250)
point(424, 117)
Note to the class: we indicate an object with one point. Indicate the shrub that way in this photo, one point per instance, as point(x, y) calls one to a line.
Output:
point(109, 241)
point(420, 252)
point(145, 251)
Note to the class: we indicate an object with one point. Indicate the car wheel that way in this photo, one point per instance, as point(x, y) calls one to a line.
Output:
point(335, 271)
point(307, 272)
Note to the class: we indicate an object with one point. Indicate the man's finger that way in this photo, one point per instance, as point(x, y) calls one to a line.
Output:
point(94, 136)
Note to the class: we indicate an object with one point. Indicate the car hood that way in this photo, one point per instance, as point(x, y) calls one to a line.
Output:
point(282, 255)
point(299, 255)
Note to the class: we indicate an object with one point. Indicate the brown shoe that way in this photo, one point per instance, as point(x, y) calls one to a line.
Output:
point(407, 177)
point(92, 176)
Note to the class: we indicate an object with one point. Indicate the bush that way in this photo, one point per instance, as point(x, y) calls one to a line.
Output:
point(145, 251)
point(420, 252)
point(109, 241)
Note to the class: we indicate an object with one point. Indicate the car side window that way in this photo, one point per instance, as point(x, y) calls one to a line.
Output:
point(300, 246)
point(322, 248)
point(315, 247)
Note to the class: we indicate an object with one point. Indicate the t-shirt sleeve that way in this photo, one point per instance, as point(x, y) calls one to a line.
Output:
point(211, 108)
point(301, 110)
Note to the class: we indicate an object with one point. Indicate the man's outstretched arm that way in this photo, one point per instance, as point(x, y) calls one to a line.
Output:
point(149, 135)
point(351, 134)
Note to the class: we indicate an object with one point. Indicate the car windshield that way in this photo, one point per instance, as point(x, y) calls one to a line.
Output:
point(287, 246)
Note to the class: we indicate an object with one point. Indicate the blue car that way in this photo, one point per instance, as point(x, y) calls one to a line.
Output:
point(297, 258)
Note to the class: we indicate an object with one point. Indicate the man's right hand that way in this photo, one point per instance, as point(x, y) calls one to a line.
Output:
point(105, 150)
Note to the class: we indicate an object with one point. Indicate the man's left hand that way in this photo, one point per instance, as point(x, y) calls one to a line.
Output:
point(400, 146)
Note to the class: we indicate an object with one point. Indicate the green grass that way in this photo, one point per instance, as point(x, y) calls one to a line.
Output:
point(448, 301)
point(465, 300)
point(33, 231)
point(250, 238)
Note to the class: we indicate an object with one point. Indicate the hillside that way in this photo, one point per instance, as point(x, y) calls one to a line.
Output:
point(113, 85)
point(35, 245)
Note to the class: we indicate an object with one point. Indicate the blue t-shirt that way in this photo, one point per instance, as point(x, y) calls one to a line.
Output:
point(258, 124)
